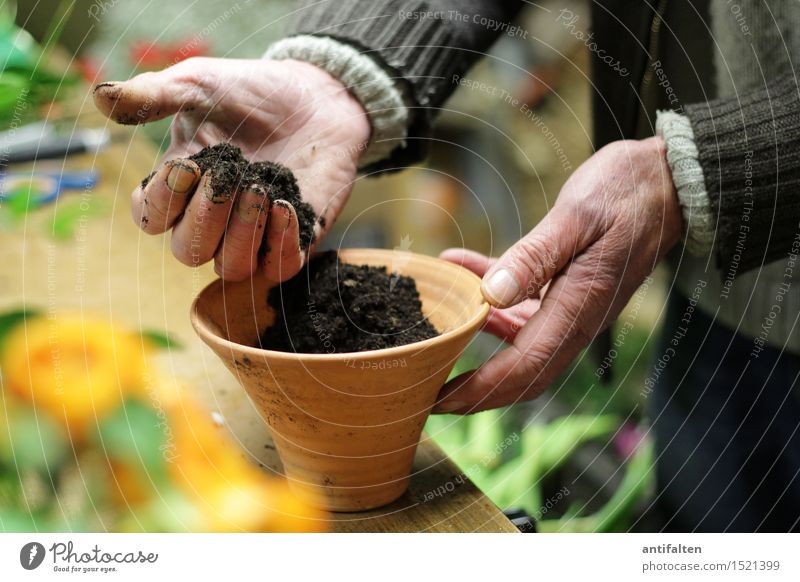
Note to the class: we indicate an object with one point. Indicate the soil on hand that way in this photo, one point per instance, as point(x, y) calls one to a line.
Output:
point(230, 171)
point(335, 307)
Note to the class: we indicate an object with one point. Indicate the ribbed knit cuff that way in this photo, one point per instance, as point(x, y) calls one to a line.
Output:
point(749, 148)
point(368, 82)
point(687, 175)
point(396, 31)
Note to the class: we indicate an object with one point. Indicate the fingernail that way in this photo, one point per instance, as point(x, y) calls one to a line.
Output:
point(181, 178)
point(250, 205)
point(281, 216)
point(449, 406)
point(501, 288)
point(211, 194)
point(106, 85)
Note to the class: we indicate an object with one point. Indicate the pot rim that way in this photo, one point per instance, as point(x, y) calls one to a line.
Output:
point(469, 326)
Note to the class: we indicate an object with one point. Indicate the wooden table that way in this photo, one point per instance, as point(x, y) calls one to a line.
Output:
point(109, 268)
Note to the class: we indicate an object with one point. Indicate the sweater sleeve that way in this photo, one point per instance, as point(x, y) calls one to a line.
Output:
point(749, 150)
point(687, 175)
point(422, 45)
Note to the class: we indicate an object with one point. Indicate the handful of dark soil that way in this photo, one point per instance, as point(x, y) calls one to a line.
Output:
point(230, 171)
point(334, 307)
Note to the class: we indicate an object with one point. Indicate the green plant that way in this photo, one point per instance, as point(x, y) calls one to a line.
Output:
point(510, 464)
point(25, 80)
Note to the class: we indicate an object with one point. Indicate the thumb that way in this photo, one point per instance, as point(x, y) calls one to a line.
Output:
point(535, 259)
point(154, 95)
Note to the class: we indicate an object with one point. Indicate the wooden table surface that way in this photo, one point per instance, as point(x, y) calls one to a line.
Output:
point(109, 268)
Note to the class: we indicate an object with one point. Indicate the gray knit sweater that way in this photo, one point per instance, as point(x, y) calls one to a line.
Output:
point(735, 160)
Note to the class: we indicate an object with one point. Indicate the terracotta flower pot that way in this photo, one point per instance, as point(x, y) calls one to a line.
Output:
point(346, 425)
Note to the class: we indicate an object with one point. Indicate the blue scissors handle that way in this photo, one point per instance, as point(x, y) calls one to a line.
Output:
point(48, 184)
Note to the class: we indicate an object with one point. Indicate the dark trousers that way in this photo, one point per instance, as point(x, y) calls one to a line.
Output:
point(727, 428)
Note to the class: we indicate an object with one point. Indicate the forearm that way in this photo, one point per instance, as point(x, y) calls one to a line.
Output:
point(748, 150)
point(419, 47)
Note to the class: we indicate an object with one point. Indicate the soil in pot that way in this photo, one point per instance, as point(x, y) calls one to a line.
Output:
point(336, 307)
point(230, 171)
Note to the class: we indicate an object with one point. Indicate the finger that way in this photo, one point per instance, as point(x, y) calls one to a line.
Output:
point(506, 323)
point(571, 313)
point(501, 323)
point(475, 262)
point(197, 234)
point(156, 206)
point(237, 257)
point(284, 257)
point(528, 265)
point(156, 95)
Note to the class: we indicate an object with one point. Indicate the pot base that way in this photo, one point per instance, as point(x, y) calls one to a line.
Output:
point(350, 499)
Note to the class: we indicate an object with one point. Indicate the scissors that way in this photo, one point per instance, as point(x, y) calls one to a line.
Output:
point(44, 187)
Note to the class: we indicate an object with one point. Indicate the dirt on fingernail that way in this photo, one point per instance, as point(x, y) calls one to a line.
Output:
point(230, 171)
point(336, 307)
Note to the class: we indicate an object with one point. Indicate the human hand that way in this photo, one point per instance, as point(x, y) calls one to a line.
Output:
point(285, 111)
point(615, 218)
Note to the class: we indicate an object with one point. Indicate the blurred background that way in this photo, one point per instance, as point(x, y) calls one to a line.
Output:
point(577, 459)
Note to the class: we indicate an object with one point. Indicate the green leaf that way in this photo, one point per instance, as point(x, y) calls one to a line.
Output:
point(170, 512)
point(56, 27)
point(639, 479)
point(69, 216)
point(617, 513)
point(135, 435)
point(567, 433)
point(33, 441)
point(13, 93)
point(10, 319)
point(20, 201)
point(15, 520)
point(18, 49)
point(161, 340)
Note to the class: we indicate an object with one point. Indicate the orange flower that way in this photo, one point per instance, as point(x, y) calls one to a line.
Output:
point(233, 494)
point(72, 367)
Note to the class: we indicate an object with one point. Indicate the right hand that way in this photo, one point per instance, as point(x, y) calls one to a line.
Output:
point(285, 111)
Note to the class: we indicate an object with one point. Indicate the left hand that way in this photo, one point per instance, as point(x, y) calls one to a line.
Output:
point(615, 218)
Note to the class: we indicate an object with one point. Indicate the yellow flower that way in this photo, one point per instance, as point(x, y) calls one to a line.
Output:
point(73, 367)
point(233, 494)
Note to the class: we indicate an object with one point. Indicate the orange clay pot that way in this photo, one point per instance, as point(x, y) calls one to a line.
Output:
point(346, 425)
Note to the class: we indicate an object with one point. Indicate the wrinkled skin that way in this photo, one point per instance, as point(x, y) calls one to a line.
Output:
point(564, 282)
point(285, 111)
point(615, 218)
